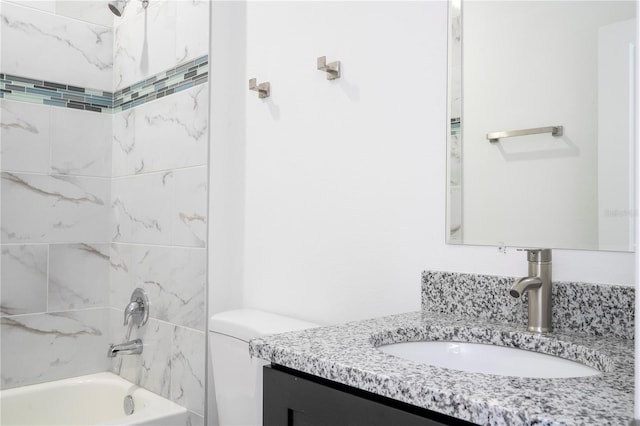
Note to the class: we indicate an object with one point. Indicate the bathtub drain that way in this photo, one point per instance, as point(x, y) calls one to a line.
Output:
point(128, 405)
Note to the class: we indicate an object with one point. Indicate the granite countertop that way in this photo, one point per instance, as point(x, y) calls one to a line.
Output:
point(347, 354)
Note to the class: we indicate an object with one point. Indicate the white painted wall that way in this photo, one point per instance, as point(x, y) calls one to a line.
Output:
point(344, 182)
point(227, 154)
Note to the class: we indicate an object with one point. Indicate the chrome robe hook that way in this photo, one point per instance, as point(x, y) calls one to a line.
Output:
point(332, 69)
point(263, 89)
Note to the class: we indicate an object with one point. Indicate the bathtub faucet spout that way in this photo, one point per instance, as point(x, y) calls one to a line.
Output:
point(133, 347)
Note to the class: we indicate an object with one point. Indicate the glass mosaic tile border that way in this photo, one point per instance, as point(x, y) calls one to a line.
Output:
point(181, 77)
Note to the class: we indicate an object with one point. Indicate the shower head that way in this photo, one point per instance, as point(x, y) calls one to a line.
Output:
point(117, 6)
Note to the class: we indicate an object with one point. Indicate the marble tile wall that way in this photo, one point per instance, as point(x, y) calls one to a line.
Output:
point(96, 204)
point(55, 183)
point(166, 34)
point(158, 233)
point(92, 11)
point(159, 201)
point(71, 50)
point(59, 345)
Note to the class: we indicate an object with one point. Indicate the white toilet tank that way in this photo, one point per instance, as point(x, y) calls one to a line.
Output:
point(238, 377)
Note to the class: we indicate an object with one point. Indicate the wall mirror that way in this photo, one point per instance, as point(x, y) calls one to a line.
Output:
point(558, 77)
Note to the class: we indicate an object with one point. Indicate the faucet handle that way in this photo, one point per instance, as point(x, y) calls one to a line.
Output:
point(537, 254)
point(131, 309)
point(138, 308)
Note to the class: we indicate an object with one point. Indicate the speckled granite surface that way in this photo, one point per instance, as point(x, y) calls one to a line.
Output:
point(599, 309)
point(347, 354)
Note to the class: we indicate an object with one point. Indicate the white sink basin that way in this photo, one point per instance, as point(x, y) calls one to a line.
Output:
point(488, 359)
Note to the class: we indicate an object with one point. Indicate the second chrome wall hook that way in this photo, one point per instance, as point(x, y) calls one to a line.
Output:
point(332, 68)
point(263, 89)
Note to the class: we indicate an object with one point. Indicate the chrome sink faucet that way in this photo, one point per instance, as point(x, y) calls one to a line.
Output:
point(538, 285)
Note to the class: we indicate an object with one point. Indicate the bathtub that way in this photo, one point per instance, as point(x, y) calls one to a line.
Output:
point(96, 399)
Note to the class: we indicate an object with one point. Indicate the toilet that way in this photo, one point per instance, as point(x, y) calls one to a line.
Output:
point(238, 377)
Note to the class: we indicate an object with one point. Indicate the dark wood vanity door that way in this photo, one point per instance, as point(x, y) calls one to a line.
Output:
point(292, 398)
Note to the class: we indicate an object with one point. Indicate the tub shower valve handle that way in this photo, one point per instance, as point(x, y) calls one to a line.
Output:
point(133, 308)
point(138, 308)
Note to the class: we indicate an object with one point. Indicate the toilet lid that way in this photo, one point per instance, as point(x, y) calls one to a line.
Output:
point(246, 324)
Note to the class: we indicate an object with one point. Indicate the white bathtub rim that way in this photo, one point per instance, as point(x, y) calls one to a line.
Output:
point(162, 407)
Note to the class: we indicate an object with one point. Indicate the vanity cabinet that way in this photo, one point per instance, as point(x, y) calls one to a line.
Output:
point(292, 398)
